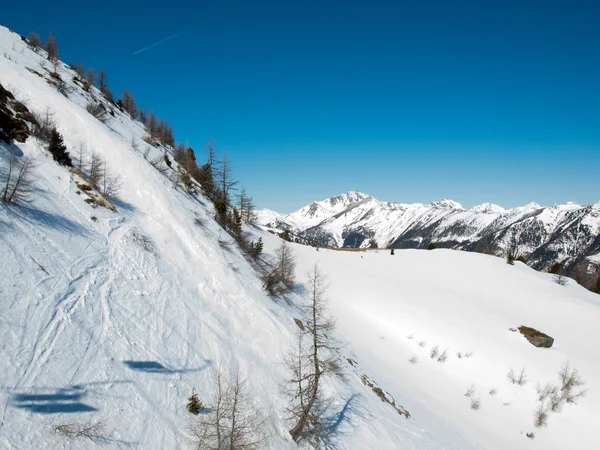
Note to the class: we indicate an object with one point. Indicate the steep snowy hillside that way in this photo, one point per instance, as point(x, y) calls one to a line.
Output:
point(566, 233)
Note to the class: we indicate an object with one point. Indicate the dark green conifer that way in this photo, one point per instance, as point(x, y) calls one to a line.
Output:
point(57, 147)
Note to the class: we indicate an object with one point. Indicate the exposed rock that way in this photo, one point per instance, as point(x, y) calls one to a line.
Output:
point(536, 337)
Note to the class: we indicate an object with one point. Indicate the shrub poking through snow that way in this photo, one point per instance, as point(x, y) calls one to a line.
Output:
point(435, 351)
point(571, 389)
point(94, 431)
point(413, 360)
point(493, 392)
point(475, 404)
point(519, 379)
point(443, 357)
point(470, 391)
point(97, 110)
point(541, 416)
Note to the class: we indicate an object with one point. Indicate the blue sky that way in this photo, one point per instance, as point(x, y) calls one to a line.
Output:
point(408, 101)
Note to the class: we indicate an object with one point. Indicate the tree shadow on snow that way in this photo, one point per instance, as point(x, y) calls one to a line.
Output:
point(46, 219)
point(156, 367)
point(332, 422)
point(67, 400)
point(122, 205)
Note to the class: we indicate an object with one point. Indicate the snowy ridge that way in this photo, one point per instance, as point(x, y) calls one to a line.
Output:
point(488, 228)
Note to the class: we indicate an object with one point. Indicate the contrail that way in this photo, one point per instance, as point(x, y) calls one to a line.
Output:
point(163, 40)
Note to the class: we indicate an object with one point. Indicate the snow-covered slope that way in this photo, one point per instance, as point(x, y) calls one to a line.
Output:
point(396, 308)
point(118, 316)
point(567, 232)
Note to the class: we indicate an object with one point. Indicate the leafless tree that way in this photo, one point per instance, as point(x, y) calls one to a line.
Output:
point(94, 431)
point(520, 379)
point(97, 110)
point(281, 280)
point(90, 77)
point(108, 95)
point(79, 157)
point(95, 169)
point(110, 185)
point(80, 70)
point(128, 103)
point(52, 48)
point(316, 355)
point(224, 178)
point(152, 124)
point(246, 207)
point(101, 79)
point(43, 125)
point(34, 41)
point(19, 182)
point(143, 116)
point(231, 422)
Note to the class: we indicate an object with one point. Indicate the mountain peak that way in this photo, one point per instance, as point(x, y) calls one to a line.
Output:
point(446, 203)
point(488, 207)
point(347, 198)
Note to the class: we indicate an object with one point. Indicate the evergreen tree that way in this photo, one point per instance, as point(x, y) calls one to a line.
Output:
point(236, 223)
point(257, 248)
point(191, 155)
point(57, 147)
point(167, 160)
point(194, 404)
point(392, 252)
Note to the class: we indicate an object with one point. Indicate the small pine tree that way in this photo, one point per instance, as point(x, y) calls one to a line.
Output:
point(194, 404)
point(57, 147)
point(392, 252)
point(510, 259)
point(431, 246)
point(236, 223)
point(286, 236)
point(259, 247)
point(220, 210)
point(167, 160)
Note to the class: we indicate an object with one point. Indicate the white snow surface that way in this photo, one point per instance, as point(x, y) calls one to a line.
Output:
point(137, 308)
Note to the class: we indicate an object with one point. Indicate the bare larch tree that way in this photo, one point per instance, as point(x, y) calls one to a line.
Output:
point(316, 355)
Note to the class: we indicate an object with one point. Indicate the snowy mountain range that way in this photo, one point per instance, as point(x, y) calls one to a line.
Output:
point(567, 233)
point(112, 314)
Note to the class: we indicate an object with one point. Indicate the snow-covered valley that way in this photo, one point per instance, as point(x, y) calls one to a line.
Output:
point(119, 316)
